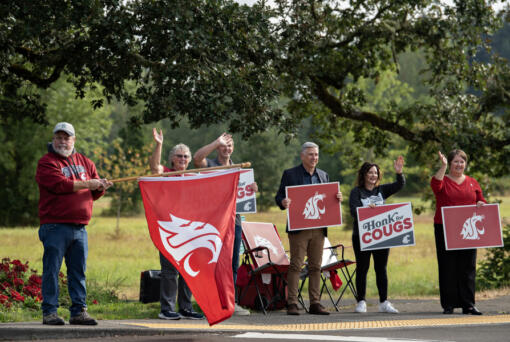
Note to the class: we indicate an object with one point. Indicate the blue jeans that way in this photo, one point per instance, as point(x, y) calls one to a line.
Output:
point(69, 241)
point(237, 248)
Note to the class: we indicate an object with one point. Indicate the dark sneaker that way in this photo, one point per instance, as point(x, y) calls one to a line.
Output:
point(53, 319)
point(83, 318)
point(169, 315)
point(190, 314)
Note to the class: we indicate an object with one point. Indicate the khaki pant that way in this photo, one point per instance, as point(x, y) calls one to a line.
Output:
point(310, 243)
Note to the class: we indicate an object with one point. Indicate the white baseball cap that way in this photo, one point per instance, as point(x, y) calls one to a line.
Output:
point(64, 127)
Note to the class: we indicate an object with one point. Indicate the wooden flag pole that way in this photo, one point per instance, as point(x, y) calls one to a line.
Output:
point(126, 179)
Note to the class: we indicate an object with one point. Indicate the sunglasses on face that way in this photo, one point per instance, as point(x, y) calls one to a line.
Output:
point(185, 156)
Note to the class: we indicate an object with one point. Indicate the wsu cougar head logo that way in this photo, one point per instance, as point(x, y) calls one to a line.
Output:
point(181, 238)
point(312, 210)
point(469, 229)
point(262, 241)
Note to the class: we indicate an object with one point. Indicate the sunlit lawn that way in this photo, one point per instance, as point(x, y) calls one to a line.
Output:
point(412, 271)
point(118, 260)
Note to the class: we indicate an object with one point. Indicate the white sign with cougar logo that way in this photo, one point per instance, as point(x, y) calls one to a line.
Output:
point(469, 229)
point(312, 210)
point(181, 238)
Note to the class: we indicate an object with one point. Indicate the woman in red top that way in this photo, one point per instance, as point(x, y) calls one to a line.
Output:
point(457, 268)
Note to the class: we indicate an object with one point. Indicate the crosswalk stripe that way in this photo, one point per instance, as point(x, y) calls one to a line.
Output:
point(255, 335)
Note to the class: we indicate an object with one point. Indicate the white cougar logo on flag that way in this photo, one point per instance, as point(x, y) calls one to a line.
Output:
point(182, 237)
point(262, 241)
point(469, 229)
point(312, 210)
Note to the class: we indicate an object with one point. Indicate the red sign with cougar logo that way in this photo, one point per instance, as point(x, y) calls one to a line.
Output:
point(469, 226)
point(191, 222)
point(313, 206)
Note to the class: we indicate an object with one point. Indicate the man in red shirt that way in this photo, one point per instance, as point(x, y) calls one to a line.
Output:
point(68, 184)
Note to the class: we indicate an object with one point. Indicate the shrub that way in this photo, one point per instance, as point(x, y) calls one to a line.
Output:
point(20, 289)
point(494, 270)
point(17, 287)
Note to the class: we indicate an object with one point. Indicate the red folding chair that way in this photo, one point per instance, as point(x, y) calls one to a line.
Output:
point(331, 262)
point(268, 268)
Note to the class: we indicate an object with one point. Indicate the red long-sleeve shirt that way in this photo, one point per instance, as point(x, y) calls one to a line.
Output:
point(449, 193)
point(58, 203)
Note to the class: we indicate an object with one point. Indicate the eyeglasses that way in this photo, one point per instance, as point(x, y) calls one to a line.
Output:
point(185, 156)
point(62, 137)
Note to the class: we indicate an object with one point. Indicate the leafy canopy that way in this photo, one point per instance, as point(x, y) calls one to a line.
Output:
point(215, 61)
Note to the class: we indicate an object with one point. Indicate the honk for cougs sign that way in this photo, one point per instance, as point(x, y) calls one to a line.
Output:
point(386, 226)
point(469, 226)
point(313, 206)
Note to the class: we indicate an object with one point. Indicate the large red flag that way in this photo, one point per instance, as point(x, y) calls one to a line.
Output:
point(191, 221)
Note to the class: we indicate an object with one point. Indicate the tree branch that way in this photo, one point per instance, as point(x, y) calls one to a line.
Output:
point(145, 62)
point(35, 79)
point(375, 120)
point(28, 53)
point(360, 31)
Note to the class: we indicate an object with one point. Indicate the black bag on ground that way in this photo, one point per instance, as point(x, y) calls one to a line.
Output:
point(149, 286)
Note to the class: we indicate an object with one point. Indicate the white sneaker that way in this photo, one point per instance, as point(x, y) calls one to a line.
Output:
point(239, 311)
point(361, 307)
point(387, 307)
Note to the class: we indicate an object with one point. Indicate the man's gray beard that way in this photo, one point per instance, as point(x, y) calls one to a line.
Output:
point(63, 152)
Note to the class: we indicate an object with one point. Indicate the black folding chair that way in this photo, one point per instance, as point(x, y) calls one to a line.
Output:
point(331, 262)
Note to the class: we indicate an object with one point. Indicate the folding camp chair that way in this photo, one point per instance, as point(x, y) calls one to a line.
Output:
point(331, 262)
point(269, 265)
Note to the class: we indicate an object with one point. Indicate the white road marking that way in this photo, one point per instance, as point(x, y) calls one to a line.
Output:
point(325, 338)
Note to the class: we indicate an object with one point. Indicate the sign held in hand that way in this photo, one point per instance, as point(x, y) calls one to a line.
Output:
point(313, 206)
point(469, 226)
point(386, 226)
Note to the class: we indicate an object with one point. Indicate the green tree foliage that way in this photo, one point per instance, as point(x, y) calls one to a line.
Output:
point(119, 162)
point(331, 48)
point(499, 44)
point(269, 156)
point(494, 270)
point(190, 58)
point(22, 145)
point(216, 61)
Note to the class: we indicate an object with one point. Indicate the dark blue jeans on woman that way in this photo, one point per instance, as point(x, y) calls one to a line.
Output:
point(64, 241)
point(237, 248)
point(172, 289)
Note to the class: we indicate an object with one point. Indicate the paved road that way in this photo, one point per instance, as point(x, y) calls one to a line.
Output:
point(418, 320)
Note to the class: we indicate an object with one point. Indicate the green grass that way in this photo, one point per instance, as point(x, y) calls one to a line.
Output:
point(412, 271)
point(116, 261)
